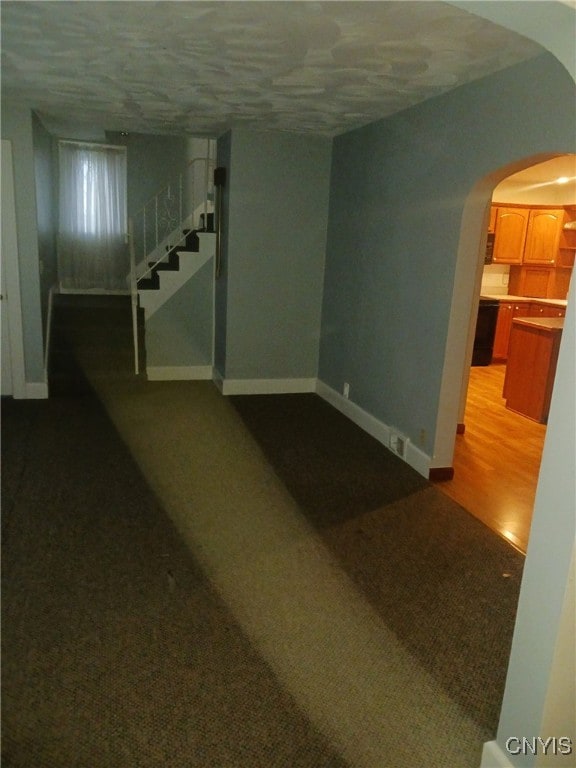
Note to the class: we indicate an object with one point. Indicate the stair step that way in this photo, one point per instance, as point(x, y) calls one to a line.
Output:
point(151, 283)
point(192, 242)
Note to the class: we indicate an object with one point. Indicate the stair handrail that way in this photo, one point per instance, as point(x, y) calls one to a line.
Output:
point(177, 186)
point(177, 178)
point(154, 264)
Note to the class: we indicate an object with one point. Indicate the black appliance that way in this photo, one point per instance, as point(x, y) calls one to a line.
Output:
point(485, 331)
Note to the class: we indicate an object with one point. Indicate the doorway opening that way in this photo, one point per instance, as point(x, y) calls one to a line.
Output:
point(497, 451)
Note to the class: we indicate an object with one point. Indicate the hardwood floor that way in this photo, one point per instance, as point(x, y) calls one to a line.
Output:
point(497, 459)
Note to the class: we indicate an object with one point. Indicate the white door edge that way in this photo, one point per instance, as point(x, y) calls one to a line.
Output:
point(12, 272)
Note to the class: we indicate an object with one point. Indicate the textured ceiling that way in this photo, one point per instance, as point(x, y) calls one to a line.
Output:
point(204, 67)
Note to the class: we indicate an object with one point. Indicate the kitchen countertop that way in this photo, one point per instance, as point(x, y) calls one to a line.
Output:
point(545, 323)
point(508, 297)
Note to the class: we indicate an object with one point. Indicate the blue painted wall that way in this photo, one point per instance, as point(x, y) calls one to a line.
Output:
point(398, 189)
point(179, 334)
point(152, 162)
point(276, 218)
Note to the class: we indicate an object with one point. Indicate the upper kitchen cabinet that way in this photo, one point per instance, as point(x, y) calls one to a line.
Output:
point(543, 236)
point(510, 227)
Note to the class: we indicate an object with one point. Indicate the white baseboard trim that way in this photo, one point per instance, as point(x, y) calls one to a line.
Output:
point(416, 458)
point(493, 757)
point(49, 315)
point(218, 380)
point(265, 386)
point(36, 390)
point(92, 291)
point(179, 372)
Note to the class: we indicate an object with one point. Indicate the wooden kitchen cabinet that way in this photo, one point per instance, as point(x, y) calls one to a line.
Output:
point(539, 282)
point(533, 236)
point(510, 230)
point(492, 222)
point(543, 236)
point(532, 281)
point(507, 311)
point(531, 368)
point(545, 310)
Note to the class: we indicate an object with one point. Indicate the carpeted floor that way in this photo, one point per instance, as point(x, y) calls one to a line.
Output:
point(117, 651)
point(190, 580)
point(445, 583)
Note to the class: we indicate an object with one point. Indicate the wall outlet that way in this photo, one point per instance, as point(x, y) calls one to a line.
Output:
point(346, 390)
point(398, 444)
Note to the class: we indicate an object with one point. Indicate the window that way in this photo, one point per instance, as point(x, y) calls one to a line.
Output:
point(92, 250)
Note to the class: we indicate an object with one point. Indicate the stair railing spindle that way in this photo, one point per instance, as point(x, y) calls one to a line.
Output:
point(144, 230)
point(206, 184)
point(187, 218)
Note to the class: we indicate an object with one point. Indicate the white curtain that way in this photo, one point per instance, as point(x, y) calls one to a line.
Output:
point(92, 249)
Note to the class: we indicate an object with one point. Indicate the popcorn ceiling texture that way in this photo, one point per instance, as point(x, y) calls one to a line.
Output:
point(205, 67)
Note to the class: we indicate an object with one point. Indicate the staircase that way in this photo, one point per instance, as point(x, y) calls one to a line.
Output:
point(165, 276)
point(171, 238)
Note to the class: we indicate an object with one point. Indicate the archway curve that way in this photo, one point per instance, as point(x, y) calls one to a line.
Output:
point(465, 296)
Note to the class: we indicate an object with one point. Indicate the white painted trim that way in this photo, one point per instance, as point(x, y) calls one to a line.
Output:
point(36, 390)
point(218, 380)
point(92, 291)
point(179, 372)
point(416, 458)
point(12, 272)
point(49, 315)
point(493, 757)
point(266, 386)
point(159, 252)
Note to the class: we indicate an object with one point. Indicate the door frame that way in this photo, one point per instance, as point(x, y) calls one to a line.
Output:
point(12, 273)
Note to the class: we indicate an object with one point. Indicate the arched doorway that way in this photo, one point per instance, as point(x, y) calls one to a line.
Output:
point(512, 516)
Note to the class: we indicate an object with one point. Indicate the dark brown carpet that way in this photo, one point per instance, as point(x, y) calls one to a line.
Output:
point(117, 653)
point(442, 581)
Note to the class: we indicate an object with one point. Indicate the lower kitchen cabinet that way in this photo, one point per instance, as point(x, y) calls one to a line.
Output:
point(506, 313)
point(531, 367)
point(509, 310)
point(545, 310)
